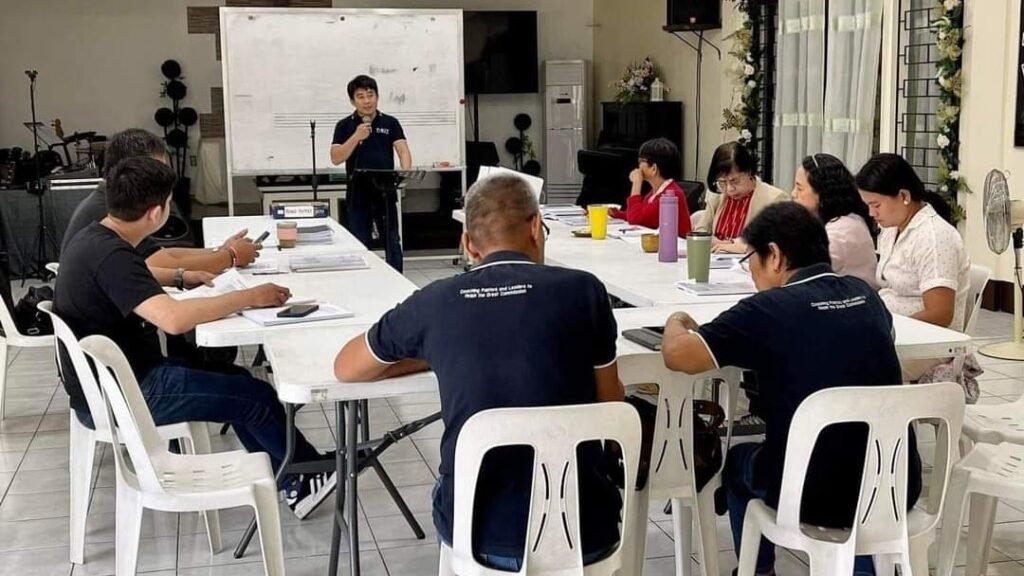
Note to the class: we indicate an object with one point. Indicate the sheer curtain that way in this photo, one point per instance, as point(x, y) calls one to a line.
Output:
point(799, 109)
point(854, 50)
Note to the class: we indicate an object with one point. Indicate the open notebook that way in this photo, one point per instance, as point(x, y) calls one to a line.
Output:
point(717, 288)
point(269, 317)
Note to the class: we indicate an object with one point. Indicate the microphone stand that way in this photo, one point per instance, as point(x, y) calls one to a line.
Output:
point(312, 139)
point(35, 186)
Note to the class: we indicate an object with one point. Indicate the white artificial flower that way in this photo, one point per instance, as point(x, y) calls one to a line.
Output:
point(954, 175)
point(750, 58)
point(943, 188)
point(745, 134)
point(748, 70)
point(752, 84)
point(942, 141)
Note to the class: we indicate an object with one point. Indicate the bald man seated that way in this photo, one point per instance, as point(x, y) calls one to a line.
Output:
point(511, 332)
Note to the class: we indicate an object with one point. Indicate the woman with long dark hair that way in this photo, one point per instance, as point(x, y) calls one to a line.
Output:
point(923, 269)
point(824, 186)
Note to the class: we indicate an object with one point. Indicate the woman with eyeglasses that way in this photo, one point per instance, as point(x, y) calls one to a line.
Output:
point(824, 186)
point(659, 165)
point(736, 196)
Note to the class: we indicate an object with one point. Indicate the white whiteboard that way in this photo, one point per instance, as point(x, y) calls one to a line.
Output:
point(283, 67)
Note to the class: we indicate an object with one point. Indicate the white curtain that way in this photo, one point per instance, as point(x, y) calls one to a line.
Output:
point(851, 86)
point(800, 81)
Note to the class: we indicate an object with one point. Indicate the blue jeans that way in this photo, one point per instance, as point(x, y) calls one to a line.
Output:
point(178, 393)
point(367, 207)
point(512, 563)
point(740, 488)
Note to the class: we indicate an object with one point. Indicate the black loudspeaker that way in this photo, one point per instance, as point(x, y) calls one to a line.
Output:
point(693, 15)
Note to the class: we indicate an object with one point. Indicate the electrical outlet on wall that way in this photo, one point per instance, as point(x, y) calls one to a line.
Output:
point(192, 160)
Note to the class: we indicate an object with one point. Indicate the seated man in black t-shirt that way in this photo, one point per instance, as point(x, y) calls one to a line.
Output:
point(177, 267)
point(509, 333)
point(805, 330)
point(171, 266)
point(105, 288)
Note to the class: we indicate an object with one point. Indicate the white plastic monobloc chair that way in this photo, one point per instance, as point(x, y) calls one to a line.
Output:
point(988, 473)
point(978, 280)
point(553, 529)
point(149, 476)
point(695, 218)
point(13, 338)
point(671, 474)
point(83, 440)
point(995, 423)
point(882, 528)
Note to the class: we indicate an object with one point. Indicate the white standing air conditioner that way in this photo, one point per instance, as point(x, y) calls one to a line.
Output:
point(566, 119)
point(1005, 218)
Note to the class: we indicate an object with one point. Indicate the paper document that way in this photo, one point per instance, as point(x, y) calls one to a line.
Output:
point(227, 283)
point(536, 184)
point(269, 317)
point(325, 262)
point(556, 210)
point(262, 267)
point(629, 231)
point(717, 288)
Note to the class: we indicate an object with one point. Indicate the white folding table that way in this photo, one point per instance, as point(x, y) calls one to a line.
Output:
point(303, 361)
point(218, 229)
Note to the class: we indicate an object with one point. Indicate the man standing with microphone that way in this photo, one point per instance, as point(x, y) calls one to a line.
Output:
point(368, 140)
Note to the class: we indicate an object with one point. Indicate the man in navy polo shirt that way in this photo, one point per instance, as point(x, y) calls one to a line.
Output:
point(509, 333)
point(368, 139)
point(805, 330)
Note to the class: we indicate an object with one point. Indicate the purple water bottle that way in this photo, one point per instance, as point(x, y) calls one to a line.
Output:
point(668, 228)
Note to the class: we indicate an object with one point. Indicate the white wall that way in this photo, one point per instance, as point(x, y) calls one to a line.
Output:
point(627, 31)
point(98, 62)
point(986, 122)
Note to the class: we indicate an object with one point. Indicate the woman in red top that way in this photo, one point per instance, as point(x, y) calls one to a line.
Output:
point(659, 166)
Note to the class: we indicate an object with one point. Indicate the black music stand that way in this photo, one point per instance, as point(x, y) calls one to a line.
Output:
point(384, 184)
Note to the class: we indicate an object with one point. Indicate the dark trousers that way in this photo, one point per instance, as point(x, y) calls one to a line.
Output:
point(368, 207)
point(177, 393)
point(740, 488)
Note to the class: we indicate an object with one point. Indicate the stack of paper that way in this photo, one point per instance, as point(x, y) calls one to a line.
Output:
point(717, 288)
point(319, 234)
point(269, 317)
point(325, 262)
point(556, 211)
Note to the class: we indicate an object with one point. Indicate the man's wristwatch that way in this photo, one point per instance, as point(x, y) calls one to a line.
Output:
point(179, 278)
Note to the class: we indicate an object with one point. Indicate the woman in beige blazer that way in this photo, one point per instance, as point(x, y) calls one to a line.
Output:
point(735, 196)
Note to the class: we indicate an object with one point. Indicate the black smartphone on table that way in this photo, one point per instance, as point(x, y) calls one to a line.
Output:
point(649, 336)
point(298, 311)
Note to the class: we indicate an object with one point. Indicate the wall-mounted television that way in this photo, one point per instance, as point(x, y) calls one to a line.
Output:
point(500, 52)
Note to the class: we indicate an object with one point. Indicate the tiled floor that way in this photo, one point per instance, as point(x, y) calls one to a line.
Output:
point(34, 490)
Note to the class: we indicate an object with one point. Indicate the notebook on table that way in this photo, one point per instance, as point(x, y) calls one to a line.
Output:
point(326, 262)
point(717, 288)
point(269, 317)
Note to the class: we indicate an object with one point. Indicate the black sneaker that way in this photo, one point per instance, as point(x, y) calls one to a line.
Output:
point(309, 491)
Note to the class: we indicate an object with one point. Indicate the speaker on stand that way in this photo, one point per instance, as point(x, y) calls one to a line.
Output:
point(693, 15)
point(696, 16)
